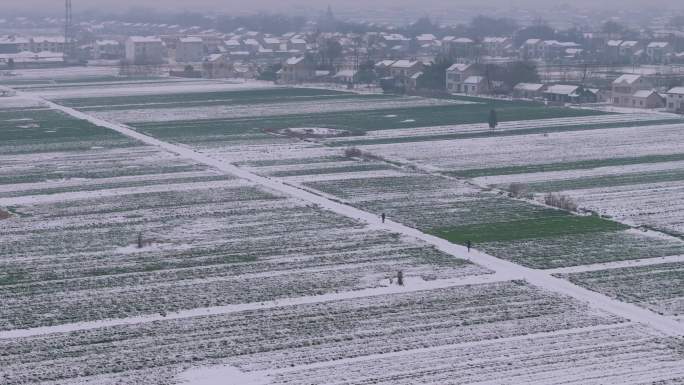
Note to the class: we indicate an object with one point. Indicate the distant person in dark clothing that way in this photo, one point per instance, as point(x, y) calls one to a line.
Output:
point(383, 217)
point(469, 244)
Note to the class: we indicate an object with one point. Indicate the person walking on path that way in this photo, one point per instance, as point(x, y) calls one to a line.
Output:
point(468, 245)
point(383, 217)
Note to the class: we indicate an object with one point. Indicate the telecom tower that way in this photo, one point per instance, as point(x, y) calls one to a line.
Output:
point(68, 39)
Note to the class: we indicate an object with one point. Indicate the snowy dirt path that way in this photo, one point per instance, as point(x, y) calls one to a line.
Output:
point(538, 278)
point(618, 265)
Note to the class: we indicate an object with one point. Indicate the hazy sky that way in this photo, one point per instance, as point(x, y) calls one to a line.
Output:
point(239, 6)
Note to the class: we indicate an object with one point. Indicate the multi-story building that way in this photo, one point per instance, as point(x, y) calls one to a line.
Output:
point(144, 50)
point(297, 70)
point(675, 100)
point(456, 76)
point(189, 50)
point(48, 43)
point(659, 52)
point(458, 47)
point(625, 88)
point(405, 68)
point(14, 44)
point(532, 49)
point(496, 46)
point(107, 50)
point(629, 49)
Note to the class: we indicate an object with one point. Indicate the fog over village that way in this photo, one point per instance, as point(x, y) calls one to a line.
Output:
point(360, 192)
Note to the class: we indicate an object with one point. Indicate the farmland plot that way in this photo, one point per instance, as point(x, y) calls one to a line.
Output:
point(446, 208)
point(641, 194)
point(68, 252)
point(525, 150)
point(509, 128)
point(52, 172)
point(587, 165)
point(291, 336)
point(627, 354)
point(657, 287)
point(142, 87)
point(73, 219)
point(228, 110)
point(657, 205)
point(36, 129)
point(319, 306)
point(509, 229)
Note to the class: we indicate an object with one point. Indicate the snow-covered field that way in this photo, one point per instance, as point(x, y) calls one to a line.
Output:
point(579, 122)
point(657, 287)
point(538, 149)
point(264, 259)
point(144, 114)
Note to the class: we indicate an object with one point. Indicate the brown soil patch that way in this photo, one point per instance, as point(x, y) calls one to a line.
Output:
point(4, 215)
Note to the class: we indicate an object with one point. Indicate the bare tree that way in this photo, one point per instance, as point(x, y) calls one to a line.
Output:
point(561, 201)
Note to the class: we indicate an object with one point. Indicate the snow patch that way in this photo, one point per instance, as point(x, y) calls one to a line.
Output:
point(315, 131)
point(222, 375)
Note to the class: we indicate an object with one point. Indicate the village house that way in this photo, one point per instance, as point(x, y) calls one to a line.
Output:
point(404, 69)
point(564, 93)
point(212, 43)
point(382, 68)
point(346, 76)
point(532, 49)
point(629, 50)
point(458, 47)
point(647, 99)
point(272, 43)
point(26, 59)
point(189, 50)
point(456, 76)
point(396, 42)
point(659, 52)
point(528, 90)
point(625, 87)
point(297, 44)
point(48, 44)
point(107, 50)
point(426, 38)
point(612, 50)
point(244, 70)
point(475, 85)
point(217, 66)
point(232, 45)
point(144, 50)
point(297, 70)
point(413, 82)
point(251, 45)
point(496, 46)
point(554, 49)
point(675, 100)
point(14, 44)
